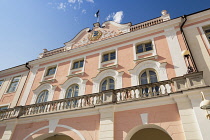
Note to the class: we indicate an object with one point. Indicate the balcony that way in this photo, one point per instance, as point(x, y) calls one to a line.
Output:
point(129, 94)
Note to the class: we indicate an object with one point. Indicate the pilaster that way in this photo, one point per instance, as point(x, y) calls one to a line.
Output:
point(9, 130)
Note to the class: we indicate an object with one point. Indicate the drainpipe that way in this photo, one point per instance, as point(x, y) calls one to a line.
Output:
point(186, 43)
point(28, 67)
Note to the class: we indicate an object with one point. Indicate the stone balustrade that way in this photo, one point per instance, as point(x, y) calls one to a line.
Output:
point(134, 93)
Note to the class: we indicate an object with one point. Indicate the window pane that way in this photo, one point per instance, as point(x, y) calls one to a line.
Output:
point(112, 56)
point(51, 71)
point(81, 63)
point(76, 65)
point(207, 31)
point(106, 57)
point(1, 82)
point(111, 84)
point(104, 84)
point(144, 78)
point(69, 93)
point(42, 97)
point(139, 48)
point(153, 77)
point(148, 46)
point(3, 107)
point(76, 91)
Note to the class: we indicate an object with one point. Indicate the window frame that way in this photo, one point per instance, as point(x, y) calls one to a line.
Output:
point(144, 47)
point(48, 69)
point(12, 82)
point(108, 83)
point(2, 80)
point(148, 75)
point(207, 35)
point(74, 87)
point(42, 92)
point(79, 63)
point(109, 56)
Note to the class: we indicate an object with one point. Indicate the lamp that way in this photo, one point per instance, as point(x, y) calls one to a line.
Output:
point(205, 105)
point(186, 55)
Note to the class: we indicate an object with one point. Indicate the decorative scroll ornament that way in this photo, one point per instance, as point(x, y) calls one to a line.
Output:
point(95, 35)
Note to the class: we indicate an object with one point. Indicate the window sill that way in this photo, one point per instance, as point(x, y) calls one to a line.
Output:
point(108, 67)
point(74, 75)
point(146, 58)
point(47, 81)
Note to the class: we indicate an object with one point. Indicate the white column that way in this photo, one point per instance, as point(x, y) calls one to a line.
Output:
point(9, 130)
point(106, 129)
point(188, 119)
point(203, 122)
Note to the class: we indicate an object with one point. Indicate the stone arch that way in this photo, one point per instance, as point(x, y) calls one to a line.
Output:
point(162, 133)
point(107, 73)
point(71, 81)
point(149, 64)
point(51, 134)
point(42, 87)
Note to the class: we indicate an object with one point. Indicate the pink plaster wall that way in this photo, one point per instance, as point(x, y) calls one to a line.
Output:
point(23, 130)
point(165, 116)
point(2, 129)
point(7, 98)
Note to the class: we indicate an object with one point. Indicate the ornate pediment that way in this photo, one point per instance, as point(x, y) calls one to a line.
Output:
point(108, 29)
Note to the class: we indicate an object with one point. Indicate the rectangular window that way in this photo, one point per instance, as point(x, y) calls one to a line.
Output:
point(109, 56)
point(144, 47)
point(13, 84)
point(3, 107)
point(78, 64)
point(1, 83)
point(207, 32)
point(51, 71)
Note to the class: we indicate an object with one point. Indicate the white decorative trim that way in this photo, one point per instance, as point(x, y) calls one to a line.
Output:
point(39, 89)
point(71, 81)
point(175, 52)
point(29, 85)
point(52, 125)
point(158, 67)
point(63, 126)
point(144, 118)
point(106, 73)
point(204, 36)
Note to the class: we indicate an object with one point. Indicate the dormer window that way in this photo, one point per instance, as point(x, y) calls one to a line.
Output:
point(109, 56)
point(78, 64)
point(144, 47)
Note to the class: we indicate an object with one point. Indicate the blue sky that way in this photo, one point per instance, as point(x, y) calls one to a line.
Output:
point(29, 26)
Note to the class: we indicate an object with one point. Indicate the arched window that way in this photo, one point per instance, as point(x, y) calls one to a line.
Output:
point(72, 91)
point(42, 97)
point(148, 76)
point(107, 83)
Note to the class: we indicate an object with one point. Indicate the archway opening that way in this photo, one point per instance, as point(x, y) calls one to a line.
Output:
point(59, 137)
point(150, 134)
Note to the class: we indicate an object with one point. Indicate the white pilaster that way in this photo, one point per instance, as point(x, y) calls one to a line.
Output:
point(188, 119)
point(175, 52)
point(106, 129)
point(9, 131)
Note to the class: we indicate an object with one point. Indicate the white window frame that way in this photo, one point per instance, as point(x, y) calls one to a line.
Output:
point(81, 69)
point(2, 82)
point(46, 68)
point(11, 83)
point(143, 41)
point(204, 35)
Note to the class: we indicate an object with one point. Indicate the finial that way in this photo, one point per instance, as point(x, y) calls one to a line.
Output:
point(164, 12)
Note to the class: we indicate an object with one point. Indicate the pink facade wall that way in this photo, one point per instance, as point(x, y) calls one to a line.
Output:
point(165, 116)
point(2, 129)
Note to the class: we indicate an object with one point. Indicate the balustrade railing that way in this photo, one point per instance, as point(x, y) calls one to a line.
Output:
point(152, 90)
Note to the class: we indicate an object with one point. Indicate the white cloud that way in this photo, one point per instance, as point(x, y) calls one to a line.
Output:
point(71, 1)
point(92, 1)
point(117, 17)
point(84, 11)
point(61, 6)
point(80, 1)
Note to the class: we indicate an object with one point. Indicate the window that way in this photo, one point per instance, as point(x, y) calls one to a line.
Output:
point(42, 97)
point(207, 32)
point(108, 56)
point(13, 84)
point(51, 71)
point(72, 91)
point(78, 64)
point(146, 77)
point(144, 47)
point(1, 83)
point(107, 83)
point(3, 107)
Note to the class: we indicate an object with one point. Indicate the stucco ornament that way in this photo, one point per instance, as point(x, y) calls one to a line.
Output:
point(95, 35)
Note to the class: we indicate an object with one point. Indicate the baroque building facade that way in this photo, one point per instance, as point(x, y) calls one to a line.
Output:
point(114, 82)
